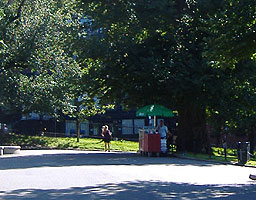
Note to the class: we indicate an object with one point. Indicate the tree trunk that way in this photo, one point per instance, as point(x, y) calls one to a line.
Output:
point(78, 123)
point(192, 133)
point(251, 139)
point(219, 132)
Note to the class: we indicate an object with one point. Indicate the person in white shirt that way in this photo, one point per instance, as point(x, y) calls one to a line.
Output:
point(162, 129)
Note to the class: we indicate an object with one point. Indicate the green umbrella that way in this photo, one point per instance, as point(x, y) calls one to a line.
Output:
point(154, 110)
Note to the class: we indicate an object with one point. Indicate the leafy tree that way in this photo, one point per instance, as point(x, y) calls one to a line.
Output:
point(40, 72)
point(236, 108)
point(158, 52)
point(33, 32)
point(142, 60)
point(233, 32)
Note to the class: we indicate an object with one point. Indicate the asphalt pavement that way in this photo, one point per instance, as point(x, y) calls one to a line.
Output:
point(69, 174)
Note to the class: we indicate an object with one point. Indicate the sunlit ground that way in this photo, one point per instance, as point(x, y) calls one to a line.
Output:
point(65, 174)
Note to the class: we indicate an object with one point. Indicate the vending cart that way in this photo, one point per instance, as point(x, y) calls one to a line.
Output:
point(149, 143)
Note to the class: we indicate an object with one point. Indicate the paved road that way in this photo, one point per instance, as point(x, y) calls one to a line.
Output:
point(57, 174)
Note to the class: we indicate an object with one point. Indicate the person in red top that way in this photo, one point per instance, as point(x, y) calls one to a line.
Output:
point(106, 134)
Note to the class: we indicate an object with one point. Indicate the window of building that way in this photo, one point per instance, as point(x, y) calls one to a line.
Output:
point(138, 124)
point(127, 126)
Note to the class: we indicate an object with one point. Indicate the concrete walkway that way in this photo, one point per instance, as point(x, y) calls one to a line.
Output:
point(67, 174)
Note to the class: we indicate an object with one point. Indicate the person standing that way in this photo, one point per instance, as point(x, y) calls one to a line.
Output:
point(163, 131)
point(106, 134)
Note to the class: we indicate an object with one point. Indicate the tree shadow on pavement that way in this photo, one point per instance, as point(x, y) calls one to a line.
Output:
point(137, 190)
point(97, 158)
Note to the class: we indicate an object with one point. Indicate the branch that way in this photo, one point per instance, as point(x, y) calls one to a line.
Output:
point(18, 15)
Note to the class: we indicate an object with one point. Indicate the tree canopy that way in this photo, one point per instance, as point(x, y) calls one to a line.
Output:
point(39, 66)
point(233, 31)
point(174, 53)
point(38, 69)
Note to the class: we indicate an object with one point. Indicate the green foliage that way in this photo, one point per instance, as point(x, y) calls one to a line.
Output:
point(236, 108)
point(233, 32)
point(131, 49)
point(38, 69)
point(161, 57)
point(35, 62)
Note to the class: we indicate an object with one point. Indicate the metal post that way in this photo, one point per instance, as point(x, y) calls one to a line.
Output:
point(55, 125)
point(225, 153)
point(155, 123)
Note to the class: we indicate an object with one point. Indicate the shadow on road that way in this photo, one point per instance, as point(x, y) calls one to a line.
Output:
point(137, 190)
point(97, 158)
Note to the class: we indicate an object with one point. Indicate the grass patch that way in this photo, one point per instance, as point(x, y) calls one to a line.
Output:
point(251, 162)
point(220, 158)
point(218, 155)
point(29, 142)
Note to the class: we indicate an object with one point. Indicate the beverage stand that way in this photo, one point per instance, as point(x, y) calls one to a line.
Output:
point(149, 143)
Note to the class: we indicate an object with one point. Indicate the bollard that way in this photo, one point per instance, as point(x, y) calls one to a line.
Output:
point(1, 151)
